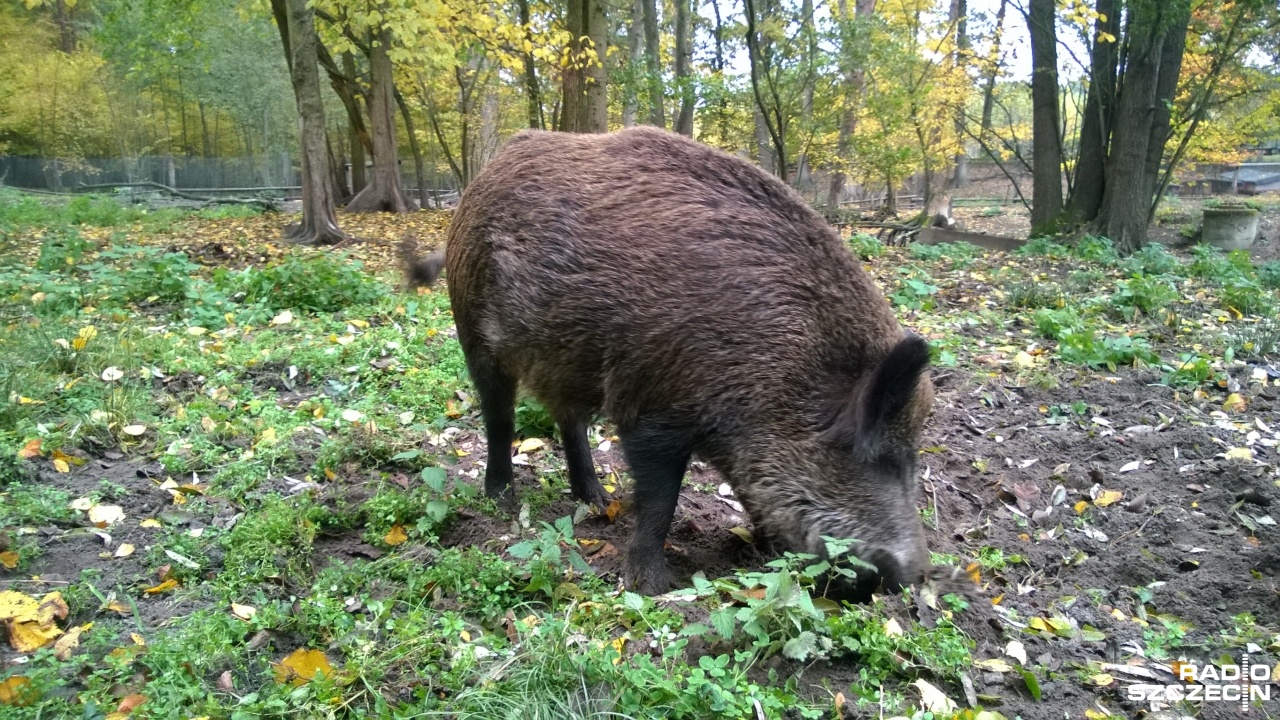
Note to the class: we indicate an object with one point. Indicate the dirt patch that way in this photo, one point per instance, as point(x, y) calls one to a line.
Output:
point(76, 552)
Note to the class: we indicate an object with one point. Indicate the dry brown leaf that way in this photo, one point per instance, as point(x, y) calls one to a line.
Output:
point(613, 510)
point(129, 703)
point(52, 607)
point(301, 666)
point(395, 536)
point(31, 449)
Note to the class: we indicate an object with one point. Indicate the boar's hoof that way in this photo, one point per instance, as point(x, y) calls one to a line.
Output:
point(597, 497)
point(504, 498)
point(650, 578)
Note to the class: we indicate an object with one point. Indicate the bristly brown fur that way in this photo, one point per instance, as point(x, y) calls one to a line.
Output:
point(420, 271)
point(705, 308)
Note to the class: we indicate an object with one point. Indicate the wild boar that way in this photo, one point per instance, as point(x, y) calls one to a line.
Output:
point(705, 309)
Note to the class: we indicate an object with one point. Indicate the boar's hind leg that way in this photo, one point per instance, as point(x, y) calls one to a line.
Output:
point(658, 456)
point(497, 390)
point(582, 470)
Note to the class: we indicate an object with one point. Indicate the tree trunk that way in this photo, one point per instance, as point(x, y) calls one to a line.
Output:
point(64, 18)
point(809, 31)
point(573, 77)
point(1046, 204)
point(533, 96)
point(1175, 42)
point(635, 45)
point(854, 80)
point(759, 58)
point(1095, 127)
point(989, 91)
point(204, 132)
point(723, 110)
point(1127, 198)
point(298, 36)
point(419, 170)
point(653, 68)
point(595, 118)
point(383, 194)
point(683, 63)
point(960, 18)
point(358, 136)
point(764, 148)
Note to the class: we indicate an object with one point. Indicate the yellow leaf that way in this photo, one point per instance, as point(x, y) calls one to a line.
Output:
point(618, 643)
point(18, 607)
point(150, 523)
point(395, 536)
point(207, 424)
point(125, 550)
point(892, 628)
point(975, 573)
point(30, 449)
point(138, 640)
point(196, 330)
point(1240, 453)
point(9, 559)
point(360, 323)
point(17, 691)
point(329, 474)
point(1038, 624)
point(68, 642)
point(465, 635)
point(743, 533)
point(24, 400)
point(530, 445)
point(244, 612)
point(613, 510)
point(26, 637)
point(301, 666)
point(1235, 404)
point(163, 587)
point(1108, 497)
point(1102, 679)
point(104, 515)
point(268, 436)
point(61, 466)
point(118, 607)
point(52, 607)
point(1080, 506)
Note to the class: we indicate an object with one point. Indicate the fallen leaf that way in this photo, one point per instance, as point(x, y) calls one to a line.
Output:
point(134, 430)
point(105, 515)
point(17, 691)
point(68, 642)
point(933, 699)
point(352, 415)
point(31, 449)
point(1131, 466)
point(743, 533)
point(618, 643)
point(119, 607)
point(17, 606)
point(163, 587)
point(9, 559)
point(150, 523)
point(283, 318)
point(994, 665)
point(61, 465)
point(129, 703)
point(1080, 506)
point(892, 628)
point(1102, 679)
point(1240, 453)
point(1016, 651)
point(244, 612)
point(395, 536)
point(1235, 403)
point(112, 374)
point(531, 445)
point(124, 551)
point(1108, 497)
point(27, 637)
point(613, 509)
point(975, 572)
point(301, 666)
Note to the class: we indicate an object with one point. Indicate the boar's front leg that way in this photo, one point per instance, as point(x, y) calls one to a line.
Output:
point(582, 469)
point(658, 455)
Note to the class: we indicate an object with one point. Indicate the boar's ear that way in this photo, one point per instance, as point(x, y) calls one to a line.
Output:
point(884, 407)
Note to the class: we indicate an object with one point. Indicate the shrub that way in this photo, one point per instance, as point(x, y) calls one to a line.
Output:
point(1153, 259)
point(145, 273)
point(866, 246)
point(1044, 247)
point(1057, 324)
point(1097, 249)
point(1142, 294)
point(1033, 295)
point(1245, 297)
point(319, 283)
point(1083, 347)
point(1269, 274)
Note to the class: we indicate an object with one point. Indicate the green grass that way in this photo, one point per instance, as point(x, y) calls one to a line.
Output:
point(314, 430)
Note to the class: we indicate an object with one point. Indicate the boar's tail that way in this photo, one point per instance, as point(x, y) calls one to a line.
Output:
point(420, 271)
